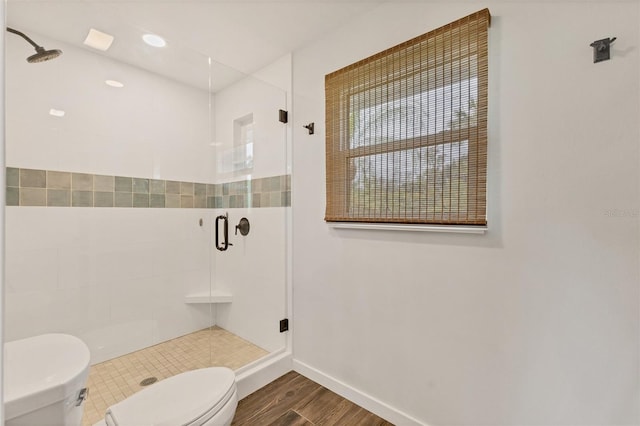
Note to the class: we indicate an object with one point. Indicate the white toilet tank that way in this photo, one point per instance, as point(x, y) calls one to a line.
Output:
point(44, 380)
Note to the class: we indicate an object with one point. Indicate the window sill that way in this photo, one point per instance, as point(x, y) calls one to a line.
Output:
point(403, 227)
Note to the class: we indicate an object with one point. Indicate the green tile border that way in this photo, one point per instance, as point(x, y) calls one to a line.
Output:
point(51, 188)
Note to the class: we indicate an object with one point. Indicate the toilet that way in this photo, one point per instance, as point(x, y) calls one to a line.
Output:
point(44, 380)
point(204, 397)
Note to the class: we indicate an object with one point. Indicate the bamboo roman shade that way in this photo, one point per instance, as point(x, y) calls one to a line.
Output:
point(407, 131)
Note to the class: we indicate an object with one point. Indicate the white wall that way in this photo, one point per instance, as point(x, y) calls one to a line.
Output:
point(153, 127)
point(534, 323)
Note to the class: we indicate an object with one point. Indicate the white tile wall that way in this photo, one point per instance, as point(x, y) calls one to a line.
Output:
point(151, 127)
point(110, 281)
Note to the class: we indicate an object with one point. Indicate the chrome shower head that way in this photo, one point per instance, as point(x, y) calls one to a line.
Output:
point(41, 54)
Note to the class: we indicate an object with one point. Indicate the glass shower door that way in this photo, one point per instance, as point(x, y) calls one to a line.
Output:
point(252, 198)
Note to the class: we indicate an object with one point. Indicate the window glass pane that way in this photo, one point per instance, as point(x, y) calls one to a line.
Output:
point(375, 118)
point(421, 183)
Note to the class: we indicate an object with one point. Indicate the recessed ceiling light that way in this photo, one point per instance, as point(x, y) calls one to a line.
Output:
point(113, 83)
point(98, 40)
point(56, 112)
point(154, 40)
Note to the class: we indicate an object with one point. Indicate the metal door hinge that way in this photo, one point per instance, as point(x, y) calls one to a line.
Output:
point(284, 325)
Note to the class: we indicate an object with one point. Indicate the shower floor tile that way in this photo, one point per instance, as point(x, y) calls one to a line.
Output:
point(116, 379)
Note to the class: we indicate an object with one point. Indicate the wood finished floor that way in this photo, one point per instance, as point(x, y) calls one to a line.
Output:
point(294, 400)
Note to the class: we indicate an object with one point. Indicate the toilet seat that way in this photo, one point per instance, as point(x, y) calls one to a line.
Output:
point(189, 399)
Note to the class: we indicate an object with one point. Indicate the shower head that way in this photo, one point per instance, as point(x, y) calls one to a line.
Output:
point(44, 55)
point(41, 54)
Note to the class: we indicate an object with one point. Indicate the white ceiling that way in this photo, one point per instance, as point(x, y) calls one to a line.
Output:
point(242, 35)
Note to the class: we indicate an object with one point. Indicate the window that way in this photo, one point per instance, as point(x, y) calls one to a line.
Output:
point(407, 131)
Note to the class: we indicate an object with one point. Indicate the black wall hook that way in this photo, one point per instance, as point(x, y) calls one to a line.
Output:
point(310, 127)
point(601, 51)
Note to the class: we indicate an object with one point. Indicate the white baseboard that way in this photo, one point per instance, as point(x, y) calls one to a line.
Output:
point(368, 402)
point(254, 377)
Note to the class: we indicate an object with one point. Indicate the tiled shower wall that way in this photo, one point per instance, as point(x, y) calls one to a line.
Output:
point(28, 187)
point(117, 277)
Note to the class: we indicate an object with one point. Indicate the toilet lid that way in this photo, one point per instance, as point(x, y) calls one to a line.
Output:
point(188, 398)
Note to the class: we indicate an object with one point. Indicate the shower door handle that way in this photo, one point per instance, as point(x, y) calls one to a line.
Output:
point(224, 244)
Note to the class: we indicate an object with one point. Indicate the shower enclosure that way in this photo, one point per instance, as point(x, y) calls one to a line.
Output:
point(117, 175)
